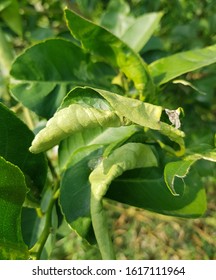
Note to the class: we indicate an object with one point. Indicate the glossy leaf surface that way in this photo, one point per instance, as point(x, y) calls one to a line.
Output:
point(168, 68)
point(45, 73)
point(147, 189)
point(15, 140)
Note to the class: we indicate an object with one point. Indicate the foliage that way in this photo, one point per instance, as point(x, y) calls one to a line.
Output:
point(115, 116)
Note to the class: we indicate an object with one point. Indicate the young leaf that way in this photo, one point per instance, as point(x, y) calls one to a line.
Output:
point(181, 168)
point(168, 68)
point(117, 17)
point(10, 14)
point(138, 34)
point(108, 47)
point(99, 108)
point(12, 195)
point(70, 120)
point(128, 156)
point(91, 137)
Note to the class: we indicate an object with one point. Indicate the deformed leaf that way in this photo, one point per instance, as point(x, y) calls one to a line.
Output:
point(142, 113)
point(70, 120)
point(176, 169)
point(100, 108)
point(127, 157)
point(181, 168)
point(12, 195)
point(91, 137)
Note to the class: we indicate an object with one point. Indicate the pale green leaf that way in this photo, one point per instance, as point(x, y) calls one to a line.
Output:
point(91, 137)
point(144, 114)
point(127, 157)
point(12, 17)
point(141, 30)
point(97, 108)
point(6, 54)
point(71, 120)
point(168, 68)
point(117, 17)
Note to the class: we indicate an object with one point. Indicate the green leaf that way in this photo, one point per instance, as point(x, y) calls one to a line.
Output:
point(75, 193)
point(10, 14)
point(6, 54)
point(145, 188)
point(128, 156)
point(176, 169)
point(175, 135)
point(141, 30)
point(117, 17)
point(91, 137)
point(181, 168)
point(15, 140)
point(168, 68)
point(12, 195)
point(44, 74)
point(111, 49)
point(144, 114)
point(97, 108)
point(4, 4)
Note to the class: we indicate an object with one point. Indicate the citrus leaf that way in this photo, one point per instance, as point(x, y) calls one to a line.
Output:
point(12, 195)
point(181, 168)
point(95, 108)
point(106, 45)
point(15, 140)
point(6, 54)
point(168, 68)
point(91, 137)
point(70, 120)
point(10, 14)
point(145, 188)
point(117, 17)
point(45, 73)
point(128, 156)
point(75, 193)
point(138, 34)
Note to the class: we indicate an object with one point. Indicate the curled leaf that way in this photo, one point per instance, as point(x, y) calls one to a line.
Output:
point(69, 120)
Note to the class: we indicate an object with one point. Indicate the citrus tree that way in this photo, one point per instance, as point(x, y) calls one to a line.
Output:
point(102, 128)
